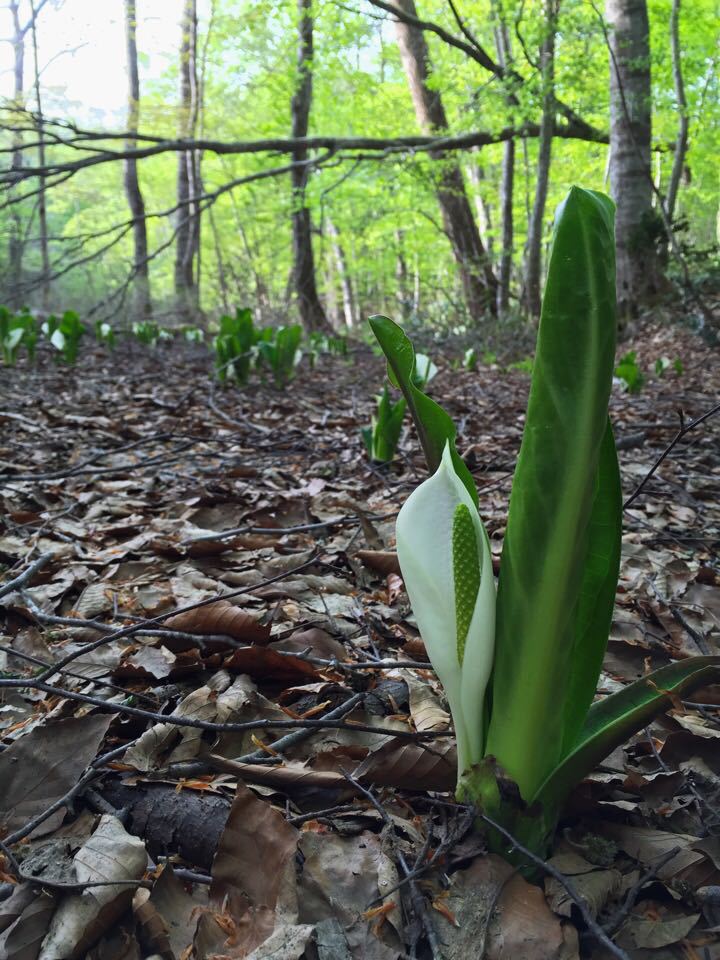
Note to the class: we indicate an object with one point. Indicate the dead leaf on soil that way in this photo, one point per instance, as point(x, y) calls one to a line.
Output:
point(81, 918)
point(221, 617)
point(411, 766)
point(43, 765)
point(253, 875)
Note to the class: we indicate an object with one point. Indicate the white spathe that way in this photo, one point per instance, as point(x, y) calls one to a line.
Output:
point(425, 551)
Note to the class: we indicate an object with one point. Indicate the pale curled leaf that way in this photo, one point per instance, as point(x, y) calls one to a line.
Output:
point(110, 854)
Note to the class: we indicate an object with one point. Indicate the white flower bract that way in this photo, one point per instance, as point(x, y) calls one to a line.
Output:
point(425, 551)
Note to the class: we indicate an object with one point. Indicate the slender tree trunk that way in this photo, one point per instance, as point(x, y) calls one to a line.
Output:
point(403, 294)
point(311, 310)
point(141, 274)
point(262, 297)
point(478, 280)
point(416, 287)
point(507, 182)
point(482, 210)
point(341, 267)
point(533, 247)
point(42, 205)
point(188, 189)
point(220, 265)
point(630, 167)
point(16, 242)
point(681, 143)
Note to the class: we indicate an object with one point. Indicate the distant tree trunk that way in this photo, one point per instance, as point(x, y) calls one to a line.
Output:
point(141, 274)
point(16, 237)
point(630, 167)
point(343, 273)
point(533, 247)
point(330, 286)
point(482, 210)
point(402, 293)
point(681, 143)
point(507, 185)
point(42, 205)
point(311, 310)
point(188, 188)
point(478, 280)
point(220, 265)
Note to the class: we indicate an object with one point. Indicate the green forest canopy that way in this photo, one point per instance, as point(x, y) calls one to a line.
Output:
point(380, 213)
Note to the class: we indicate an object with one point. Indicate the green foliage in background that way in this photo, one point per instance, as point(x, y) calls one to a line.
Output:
point(384, 213)
point(281, 353)
point(628, 370)
point(234, 346)
point(65, 334)
point(383, 435)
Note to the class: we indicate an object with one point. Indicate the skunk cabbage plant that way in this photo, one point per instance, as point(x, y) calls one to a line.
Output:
point(383, 435)
point(520, 669)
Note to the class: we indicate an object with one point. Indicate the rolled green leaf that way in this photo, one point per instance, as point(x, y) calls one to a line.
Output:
point(434, 426)
point(559, 560)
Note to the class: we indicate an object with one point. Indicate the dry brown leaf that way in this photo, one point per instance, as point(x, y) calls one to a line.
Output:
point(414, 649)
point(425, 707)
point(341, 877)
point(288, 777)
point(221, 617)
point(43, 765)
point(253, 886)
point(384, 561)
point(500, 916)
point(177, 908)
point(263, 663)
point(24, 919)
point(411, 766)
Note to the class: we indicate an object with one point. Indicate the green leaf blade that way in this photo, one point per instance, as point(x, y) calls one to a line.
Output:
point(612, 720)
point(547, 541)
point(434, 426)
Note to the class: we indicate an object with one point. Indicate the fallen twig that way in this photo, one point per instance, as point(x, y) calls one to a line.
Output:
point(593, 926)
point(26, 575)
point(684, 429)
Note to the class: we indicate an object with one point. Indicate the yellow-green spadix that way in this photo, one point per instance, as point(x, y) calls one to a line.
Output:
point(446, 564)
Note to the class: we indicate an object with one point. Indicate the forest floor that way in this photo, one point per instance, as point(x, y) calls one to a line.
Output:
point(271, 774)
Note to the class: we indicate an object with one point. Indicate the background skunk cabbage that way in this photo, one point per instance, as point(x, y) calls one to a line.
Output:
point(561, 554)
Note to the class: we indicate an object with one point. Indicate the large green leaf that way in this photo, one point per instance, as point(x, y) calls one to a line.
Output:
point(612, 720)
point(597, 591)
point(434, 426)
point(555, 533)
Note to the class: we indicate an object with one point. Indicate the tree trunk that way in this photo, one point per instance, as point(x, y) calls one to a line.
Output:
point(343, 273)
point(478, 280)
point(16, 234)
point(311, 310)
point(681, 143)
point(507, 185)
point(482, 210)
point(188, 189)
point(402, 293)
point(533, 247)
point(220, 265)
point(630, 168)
point(141, 275)
point(42, 205)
